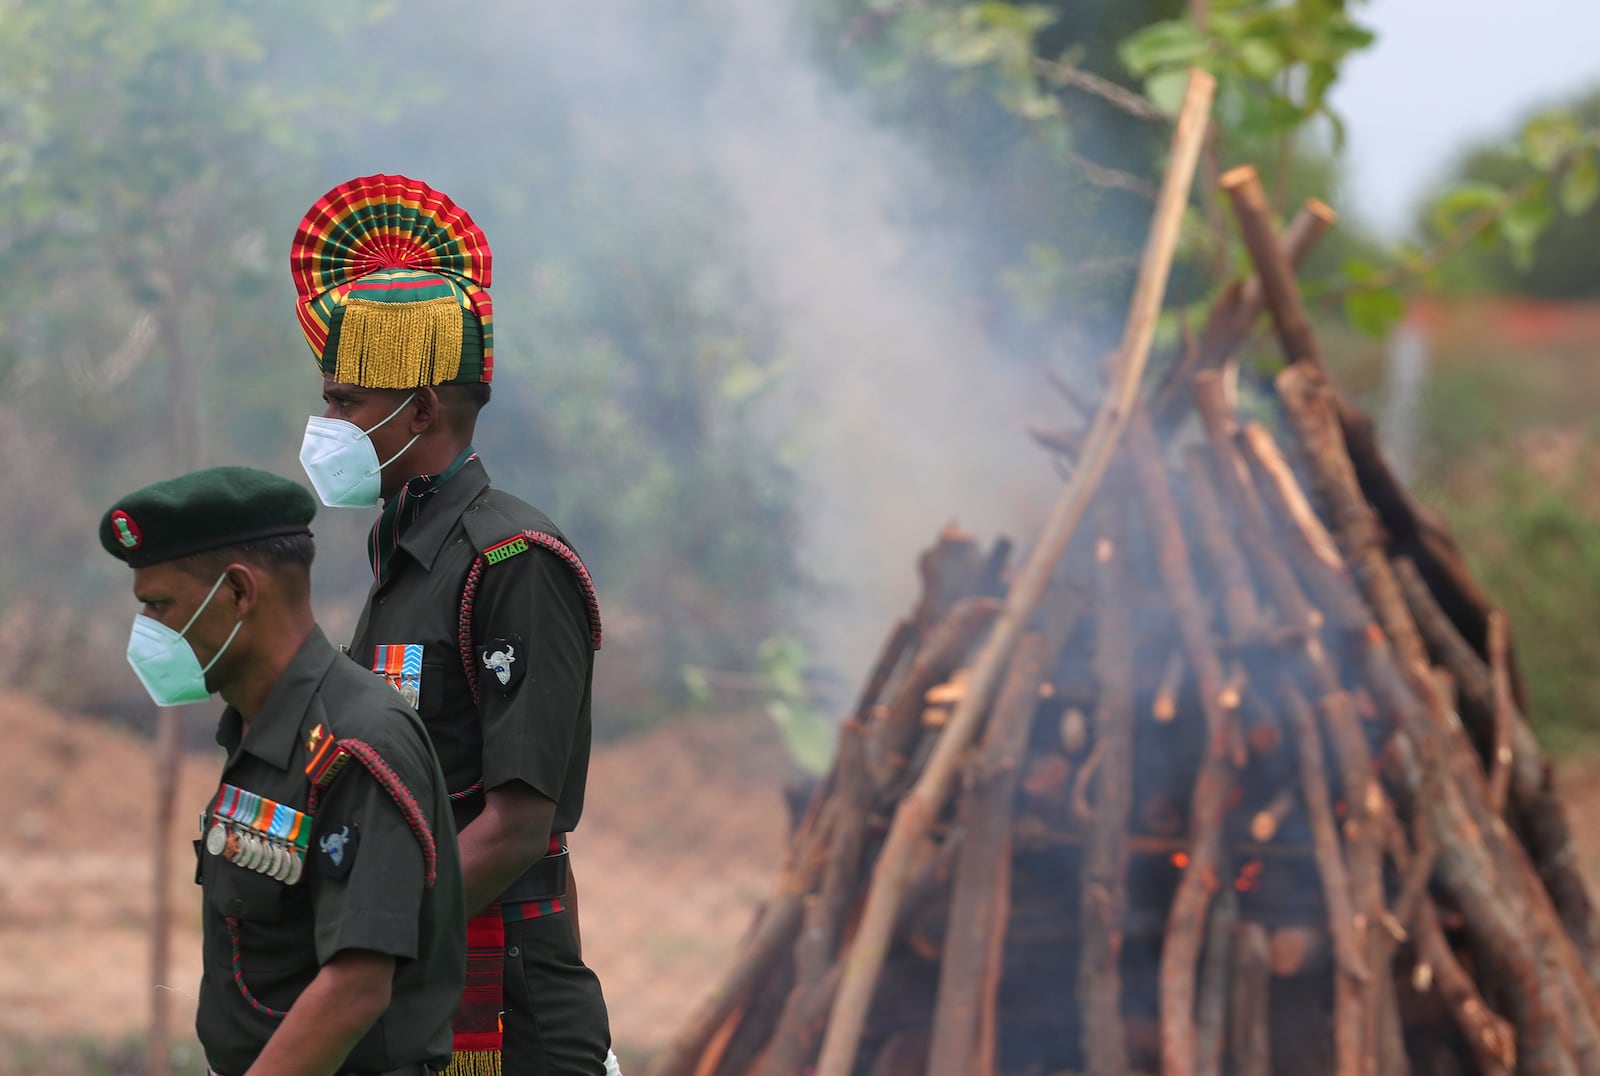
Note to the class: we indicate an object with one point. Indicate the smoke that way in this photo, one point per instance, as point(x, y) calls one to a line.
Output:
point(896, 406)
point(910, 416)
point(899, 412)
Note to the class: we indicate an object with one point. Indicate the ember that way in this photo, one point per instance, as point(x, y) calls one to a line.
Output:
point(1404, 893)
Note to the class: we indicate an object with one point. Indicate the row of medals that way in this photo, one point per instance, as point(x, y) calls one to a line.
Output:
point(256, 851)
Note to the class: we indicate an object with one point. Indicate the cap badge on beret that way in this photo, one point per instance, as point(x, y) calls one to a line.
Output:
point(393, 281)
point(128, 534)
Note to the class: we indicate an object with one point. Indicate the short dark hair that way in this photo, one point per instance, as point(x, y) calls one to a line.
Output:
point(293, 551)
point(464, 401)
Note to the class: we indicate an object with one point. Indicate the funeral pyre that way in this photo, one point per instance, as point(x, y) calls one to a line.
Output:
point(1251, 790)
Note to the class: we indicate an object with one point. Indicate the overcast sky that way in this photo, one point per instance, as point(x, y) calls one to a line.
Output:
point(1445, 73)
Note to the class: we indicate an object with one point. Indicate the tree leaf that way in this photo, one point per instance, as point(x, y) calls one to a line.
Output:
point(1461, 200)
point(1374, 312)
point(1026, 19)
point(698, 685)
point(808, 736)
point(1166, 90)
point(1581, 185)
point(1360, 271)
point(1524, 222)
point(1260, 59)
point(1162, 44)
point(1548, 137)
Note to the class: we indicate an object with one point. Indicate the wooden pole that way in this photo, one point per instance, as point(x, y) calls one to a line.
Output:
point(922, 804)
point(983, 867)
point(184, 430)
point(1350, 1044)
point(1501, 756)
point(1539, 812)
point(1103, 877)
point(169, 767)
point(1282, 295)
point(1187, 917)
point(1250, 1007)
point(799, 1024)
point(1230, 321)
point(1211, 1017)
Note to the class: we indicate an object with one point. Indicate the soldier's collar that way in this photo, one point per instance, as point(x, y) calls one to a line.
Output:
point(424, 538)
point(275, 733)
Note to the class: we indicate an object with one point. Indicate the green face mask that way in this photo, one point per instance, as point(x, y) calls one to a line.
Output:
point(166, 664)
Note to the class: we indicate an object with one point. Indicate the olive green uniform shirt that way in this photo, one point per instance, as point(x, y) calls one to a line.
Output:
point(373, 898)
point(530, 645)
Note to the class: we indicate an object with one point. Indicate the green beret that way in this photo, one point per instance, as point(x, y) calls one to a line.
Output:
point(210, 509)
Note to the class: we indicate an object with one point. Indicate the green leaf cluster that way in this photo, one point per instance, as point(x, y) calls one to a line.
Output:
point(780, 688)
point(1274, 62)
point(1509, 198)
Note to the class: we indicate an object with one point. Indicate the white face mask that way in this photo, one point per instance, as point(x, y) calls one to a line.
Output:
point(342, 464)
point(166, 664)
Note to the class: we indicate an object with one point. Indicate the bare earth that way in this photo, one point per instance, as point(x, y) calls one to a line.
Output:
point(680, 839)
point(683, 832)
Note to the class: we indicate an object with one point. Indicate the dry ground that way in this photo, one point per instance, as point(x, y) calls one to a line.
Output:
point(679, 841)
point(683, 831)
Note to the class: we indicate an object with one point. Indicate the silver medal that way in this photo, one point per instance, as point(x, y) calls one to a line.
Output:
point(286, 861)
point(216, 839)
point(296, 865)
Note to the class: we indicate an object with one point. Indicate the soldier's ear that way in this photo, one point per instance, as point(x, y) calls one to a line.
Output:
point(242, 588)
point(426, 412)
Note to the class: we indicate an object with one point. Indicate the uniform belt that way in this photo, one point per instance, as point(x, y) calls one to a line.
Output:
point(545, 880)
point(404, 1070)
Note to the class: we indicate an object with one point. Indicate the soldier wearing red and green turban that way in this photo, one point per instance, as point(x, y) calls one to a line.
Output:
point(481, 613)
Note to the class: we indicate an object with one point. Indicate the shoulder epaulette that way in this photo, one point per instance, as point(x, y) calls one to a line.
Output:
point(328, 757)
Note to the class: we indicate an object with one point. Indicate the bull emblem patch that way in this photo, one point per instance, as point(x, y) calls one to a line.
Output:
point(338, 850)
point(505, 659)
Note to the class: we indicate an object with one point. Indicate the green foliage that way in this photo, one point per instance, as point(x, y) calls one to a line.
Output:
point(1274, 62)
point(164, 151)
point(1510, 196)
point(150, 134)
point(780, 687)
point(1058, 77)
point(1508, 453)
point(1374, 312)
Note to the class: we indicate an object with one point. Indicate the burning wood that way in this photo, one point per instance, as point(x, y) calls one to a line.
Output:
point(1100, 868)
point(1165, 706)
point(1264, 825)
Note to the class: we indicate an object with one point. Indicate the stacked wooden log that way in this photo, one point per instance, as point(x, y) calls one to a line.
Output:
point(1247, 788)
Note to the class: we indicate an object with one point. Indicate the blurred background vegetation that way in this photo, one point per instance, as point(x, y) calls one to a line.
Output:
point(157, 154)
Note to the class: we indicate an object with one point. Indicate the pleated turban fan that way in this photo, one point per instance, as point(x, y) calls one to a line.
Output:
point(392, 280)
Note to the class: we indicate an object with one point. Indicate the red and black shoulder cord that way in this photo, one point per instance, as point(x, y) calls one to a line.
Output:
point(469, 595)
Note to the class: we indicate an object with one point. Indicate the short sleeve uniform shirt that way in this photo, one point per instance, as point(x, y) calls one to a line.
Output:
point(361, 880)
point(528, 644)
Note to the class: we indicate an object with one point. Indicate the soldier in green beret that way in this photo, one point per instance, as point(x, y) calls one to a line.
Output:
point(333, 907)
point(481, 613)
